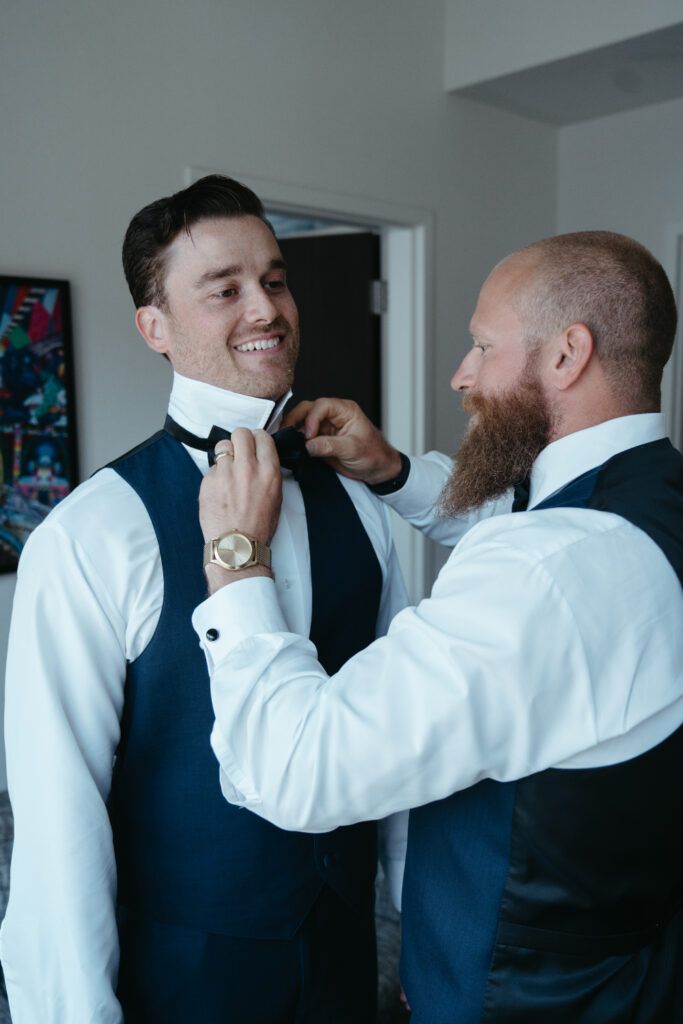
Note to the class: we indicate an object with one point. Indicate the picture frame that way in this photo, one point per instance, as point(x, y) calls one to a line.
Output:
point(38, 440)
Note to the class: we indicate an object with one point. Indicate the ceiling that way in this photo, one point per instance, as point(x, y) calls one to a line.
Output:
point(635, 73)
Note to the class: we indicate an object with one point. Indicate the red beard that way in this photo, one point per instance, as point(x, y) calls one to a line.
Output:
point(500, 446)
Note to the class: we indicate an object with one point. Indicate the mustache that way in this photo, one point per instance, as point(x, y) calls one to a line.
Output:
point(473, 403)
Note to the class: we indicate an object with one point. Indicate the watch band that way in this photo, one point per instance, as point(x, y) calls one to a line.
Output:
point(389, 486)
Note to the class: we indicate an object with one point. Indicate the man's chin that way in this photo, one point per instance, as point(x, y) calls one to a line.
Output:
point(271, 386)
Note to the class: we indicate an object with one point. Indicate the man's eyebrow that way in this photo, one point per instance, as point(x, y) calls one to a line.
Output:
point(234, 270)
point(218, 274)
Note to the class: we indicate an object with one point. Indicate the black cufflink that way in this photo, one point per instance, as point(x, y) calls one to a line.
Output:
point(212, 634)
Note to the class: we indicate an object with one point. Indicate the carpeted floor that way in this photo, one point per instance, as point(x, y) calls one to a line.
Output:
point(391, 1010)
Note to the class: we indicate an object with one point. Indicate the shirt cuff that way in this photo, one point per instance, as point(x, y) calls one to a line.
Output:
point(236, 612)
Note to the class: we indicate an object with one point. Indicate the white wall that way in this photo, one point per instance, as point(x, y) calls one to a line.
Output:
point(623, 173)
point(105, 105)
point(488, 38)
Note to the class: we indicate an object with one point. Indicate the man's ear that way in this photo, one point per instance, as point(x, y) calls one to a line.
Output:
point(151, 323)
point(572, 351)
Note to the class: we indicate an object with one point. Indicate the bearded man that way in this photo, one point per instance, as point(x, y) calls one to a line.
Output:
point(529, 712)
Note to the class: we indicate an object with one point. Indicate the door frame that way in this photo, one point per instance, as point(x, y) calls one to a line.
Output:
point(406, 249)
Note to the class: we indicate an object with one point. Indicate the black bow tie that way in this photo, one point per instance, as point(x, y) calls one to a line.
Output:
point(290, 443)
point(521, 498)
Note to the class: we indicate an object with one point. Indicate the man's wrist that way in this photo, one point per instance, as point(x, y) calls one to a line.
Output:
point(217, 577)
point(234, 555)
point(393, 483)
point(236, 549)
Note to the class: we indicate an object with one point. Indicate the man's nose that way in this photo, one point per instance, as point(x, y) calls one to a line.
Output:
point(464, 377)
point(260, 307)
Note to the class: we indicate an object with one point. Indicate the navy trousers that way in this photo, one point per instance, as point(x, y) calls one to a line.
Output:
point(325, 974)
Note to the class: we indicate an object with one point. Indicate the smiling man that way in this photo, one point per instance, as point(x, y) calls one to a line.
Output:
point(137, 892)
point(233, 321)
point(530, 710)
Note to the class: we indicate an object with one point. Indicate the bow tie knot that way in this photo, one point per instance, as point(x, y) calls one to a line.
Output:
point(290, 443)
point(291, 448)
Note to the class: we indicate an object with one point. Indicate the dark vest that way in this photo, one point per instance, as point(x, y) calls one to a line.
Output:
point(556, 899)
point(183, 854)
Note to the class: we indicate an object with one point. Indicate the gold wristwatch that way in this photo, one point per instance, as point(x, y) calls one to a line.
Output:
point(235, 550)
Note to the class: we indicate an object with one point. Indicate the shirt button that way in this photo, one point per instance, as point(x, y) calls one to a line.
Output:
point(212, 634)
point(286, 584)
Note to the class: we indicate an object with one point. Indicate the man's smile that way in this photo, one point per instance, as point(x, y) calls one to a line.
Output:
point(260, 344)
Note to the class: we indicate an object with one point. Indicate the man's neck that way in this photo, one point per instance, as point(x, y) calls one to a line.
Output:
point(198, 406)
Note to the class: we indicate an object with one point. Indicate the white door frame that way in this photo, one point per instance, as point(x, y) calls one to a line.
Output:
point(406, 247)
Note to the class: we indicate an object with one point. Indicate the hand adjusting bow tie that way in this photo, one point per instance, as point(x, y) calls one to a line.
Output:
point(290, 443)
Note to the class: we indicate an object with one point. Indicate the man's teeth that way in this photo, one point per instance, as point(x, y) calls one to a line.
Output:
point(258, 346)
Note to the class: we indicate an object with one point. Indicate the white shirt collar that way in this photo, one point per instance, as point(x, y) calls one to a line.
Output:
point(198, 406)
point(570, 456)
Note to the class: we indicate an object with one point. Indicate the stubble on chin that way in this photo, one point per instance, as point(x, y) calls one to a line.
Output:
point(505, 436)
point(275, 382)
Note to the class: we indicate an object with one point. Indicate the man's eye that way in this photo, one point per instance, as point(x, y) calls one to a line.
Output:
point(276, 285)
point(226, 293)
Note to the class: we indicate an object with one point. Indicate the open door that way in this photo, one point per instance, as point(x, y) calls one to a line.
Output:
point(330, 277)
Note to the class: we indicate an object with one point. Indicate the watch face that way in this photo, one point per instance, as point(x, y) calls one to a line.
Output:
point(234, 550)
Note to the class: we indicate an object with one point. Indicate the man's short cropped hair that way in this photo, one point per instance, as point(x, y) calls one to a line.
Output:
point(614, 286)
point(152, 230)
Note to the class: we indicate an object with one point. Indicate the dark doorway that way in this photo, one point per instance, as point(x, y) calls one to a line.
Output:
point(330, 277)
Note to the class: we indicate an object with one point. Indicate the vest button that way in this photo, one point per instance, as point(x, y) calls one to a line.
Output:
point(212, 634)
point(328, 860)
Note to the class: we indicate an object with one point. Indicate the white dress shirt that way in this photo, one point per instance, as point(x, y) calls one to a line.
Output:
point(88, 599)
point(550, 639)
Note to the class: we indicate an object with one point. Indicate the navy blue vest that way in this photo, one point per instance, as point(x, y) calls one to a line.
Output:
point(183, 854)
point(557, 898)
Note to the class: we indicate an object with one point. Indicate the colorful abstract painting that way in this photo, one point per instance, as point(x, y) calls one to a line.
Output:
point(37, 416)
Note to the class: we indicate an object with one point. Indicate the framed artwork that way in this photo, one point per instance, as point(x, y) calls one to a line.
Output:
point(38, 454)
